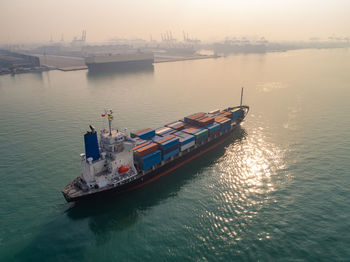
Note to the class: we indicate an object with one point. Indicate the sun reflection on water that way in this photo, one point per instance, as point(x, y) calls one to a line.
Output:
point(245, 178)
point(249, 165)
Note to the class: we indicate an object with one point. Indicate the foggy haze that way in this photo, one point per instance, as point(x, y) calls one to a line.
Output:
point(38, 20)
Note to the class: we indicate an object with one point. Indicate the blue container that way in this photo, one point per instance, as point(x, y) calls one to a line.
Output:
point(213, 127)
point(172, 148)
point(91, 145)
point(151, 159)
point(147, 135)
point(184, 137)
point(187, 140)
point(167, 144)
point(170, 154)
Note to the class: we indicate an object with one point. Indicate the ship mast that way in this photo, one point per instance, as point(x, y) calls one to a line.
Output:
point(241, 95)
point(110, 118)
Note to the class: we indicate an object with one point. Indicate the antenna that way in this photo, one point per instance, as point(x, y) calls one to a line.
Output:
point(242, 95)
point(109, 114)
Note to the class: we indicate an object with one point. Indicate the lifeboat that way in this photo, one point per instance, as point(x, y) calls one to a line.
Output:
point(123, 169)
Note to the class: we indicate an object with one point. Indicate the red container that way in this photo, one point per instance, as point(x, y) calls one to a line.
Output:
point(146, 150)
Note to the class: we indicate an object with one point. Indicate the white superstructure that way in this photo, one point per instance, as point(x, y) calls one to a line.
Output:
point(116, 161)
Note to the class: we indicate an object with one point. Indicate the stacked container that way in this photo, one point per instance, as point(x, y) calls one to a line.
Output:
point(227, 114)
point(186, 140)
point(147, 134)
point(200, 133)
point(147, 154)
point(150, 160)
point(204, 121)
point(213, 129)
point(163, 131)
point(224, 122)
point(178, 125)
point(145, 149)
point(169, 145)
point(191, 119)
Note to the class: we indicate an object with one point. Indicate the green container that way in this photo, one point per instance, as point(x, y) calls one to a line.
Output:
point(201, 133)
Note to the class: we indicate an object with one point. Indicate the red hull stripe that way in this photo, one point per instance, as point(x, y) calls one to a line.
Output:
point(176, 166)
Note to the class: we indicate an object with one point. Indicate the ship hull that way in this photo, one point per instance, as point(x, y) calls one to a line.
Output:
point(120, 65)
point(157, 173)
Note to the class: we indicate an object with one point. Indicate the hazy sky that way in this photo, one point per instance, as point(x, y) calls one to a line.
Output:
point(37, 20)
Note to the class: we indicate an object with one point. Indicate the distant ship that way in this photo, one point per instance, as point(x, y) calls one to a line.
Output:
point(118, 163)
point(241, 46)
point(119, 61)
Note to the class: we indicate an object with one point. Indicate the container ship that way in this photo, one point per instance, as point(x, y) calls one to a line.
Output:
point(119, 61)
point(119, 163)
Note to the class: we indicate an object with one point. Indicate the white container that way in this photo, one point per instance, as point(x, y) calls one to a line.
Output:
point(187, 146)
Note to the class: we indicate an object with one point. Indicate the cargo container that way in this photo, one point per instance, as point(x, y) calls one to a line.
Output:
point(170, 154)
point(163, 130)
point(204, 121)
point(167, 142)
point(225, 122)
point(147, 133)
point(216, 111)
point(191, 130)
point(139, 141)
point(142, 151)
point(143, 144)
point(135, 134)
point(162, 139)
point(178, 125)
point(171, 148)
point(222, 120)
point(227, 114)
point(213, 127)
point(184, 137)
point(150, 160)
point(187, 145)
point(191, 118)
point(201, 135)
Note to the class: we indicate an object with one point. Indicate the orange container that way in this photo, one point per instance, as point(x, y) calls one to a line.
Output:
point(165, 139)
point(146, 150)
point(195, 116)
point(141, 145)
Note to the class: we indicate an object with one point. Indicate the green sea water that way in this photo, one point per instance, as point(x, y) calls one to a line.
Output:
point(278, 190)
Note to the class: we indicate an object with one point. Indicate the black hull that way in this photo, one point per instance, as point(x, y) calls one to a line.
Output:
point(116, 66)
point(157, 173)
